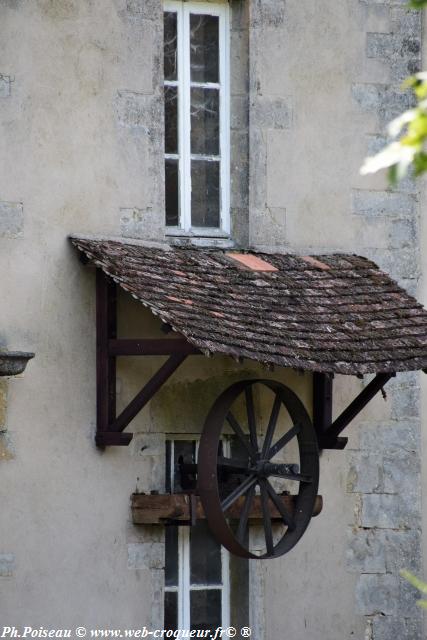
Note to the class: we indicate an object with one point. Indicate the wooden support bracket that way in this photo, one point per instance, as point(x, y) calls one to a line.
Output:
point(327, 430)
point(110, 427)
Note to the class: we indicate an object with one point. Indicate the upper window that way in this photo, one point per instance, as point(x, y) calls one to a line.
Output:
point(196, 71)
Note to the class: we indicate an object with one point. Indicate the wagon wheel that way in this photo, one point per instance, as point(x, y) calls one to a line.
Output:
point(223, 480)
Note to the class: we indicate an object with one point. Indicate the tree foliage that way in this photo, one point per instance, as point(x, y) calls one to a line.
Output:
point(418, 584)
point(417, 4)
point(407, 150)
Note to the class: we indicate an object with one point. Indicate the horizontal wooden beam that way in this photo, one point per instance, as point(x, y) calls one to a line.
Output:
point(151, 347)
point(161, 508)
point(113, 438)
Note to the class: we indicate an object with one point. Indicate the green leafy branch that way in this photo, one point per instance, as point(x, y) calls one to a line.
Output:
point(409, 133)
point(417, 583)
point(408, 149)
point(417, 4)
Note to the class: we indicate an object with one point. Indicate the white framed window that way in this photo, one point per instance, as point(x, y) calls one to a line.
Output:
point(197, 583)
point(197, 117)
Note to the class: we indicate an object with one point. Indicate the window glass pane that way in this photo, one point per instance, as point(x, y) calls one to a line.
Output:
point(171, 556)
point(184, 452)
point(205, 193)
point(205, 609)
point(205, 556)
point(205, 121)
point(170, 46)
point(171, 610)
point(204, 48)
point(171, 120)
point(171, 183)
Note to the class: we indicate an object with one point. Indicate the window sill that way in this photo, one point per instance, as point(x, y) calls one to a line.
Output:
point(197, 232)
point(200, 238)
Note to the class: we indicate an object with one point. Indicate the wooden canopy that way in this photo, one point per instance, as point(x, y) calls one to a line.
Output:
point(335, 313)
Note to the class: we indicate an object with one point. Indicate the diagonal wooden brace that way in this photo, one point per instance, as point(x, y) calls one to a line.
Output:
point(328, 431)
point(109, 426)
point(147, 392)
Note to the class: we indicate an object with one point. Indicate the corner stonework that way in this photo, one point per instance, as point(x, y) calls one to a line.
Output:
point(6, 451)
point(5, 86)
point(11, 220)
point(139, 119)
point(270, 116)
point(385, 470)
point(385, 474)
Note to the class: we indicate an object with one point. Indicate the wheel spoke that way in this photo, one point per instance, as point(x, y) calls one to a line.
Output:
point(283, 441)
point(238, 491)
point(251, 417)
point(268, 530)
point(240, 434)
point(271, 425)
point(286, 516)
point(243, 522)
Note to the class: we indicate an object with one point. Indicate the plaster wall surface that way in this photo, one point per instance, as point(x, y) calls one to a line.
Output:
point(81, 146)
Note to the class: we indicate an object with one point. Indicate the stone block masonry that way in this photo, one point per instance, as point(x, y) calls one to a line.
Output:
point(3, 405)
point(269, 115)
point(7, 565)
point(139, 116)
point(239, 139)
point(5, 86)
point(386, 534)
point(384, 472)
point(11, 219)
point(396, 210)
point(146, 9)
point(6, 444)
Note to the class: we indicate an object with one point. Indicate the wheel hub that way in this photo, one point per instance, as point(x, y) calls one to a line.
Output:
point(265, 469)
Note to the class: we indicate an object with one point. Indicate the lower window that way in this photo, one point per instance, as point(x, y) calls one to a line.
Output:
point(197, 568)
point(197, 594)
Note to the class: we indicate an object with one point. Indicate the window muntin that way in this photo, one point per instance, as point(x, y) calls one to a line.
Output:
point(197, 166)
point(197, 592)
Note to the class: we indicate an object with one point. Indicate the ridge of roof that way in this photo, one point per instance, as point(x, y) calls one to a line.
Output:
point(166, 246)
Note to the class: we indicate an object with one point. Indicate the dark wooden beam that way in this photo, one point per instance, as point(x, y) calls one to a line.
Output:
point(353, 409)
point(113, 438)
point(322, 408)
point(147, 392)
point(151, 347)
point(159, 509)
point(106, 328)
point(322, 401)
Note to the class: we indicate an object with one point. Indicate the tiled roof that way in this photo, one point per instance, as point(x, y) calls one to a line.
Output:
point(331, 313)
